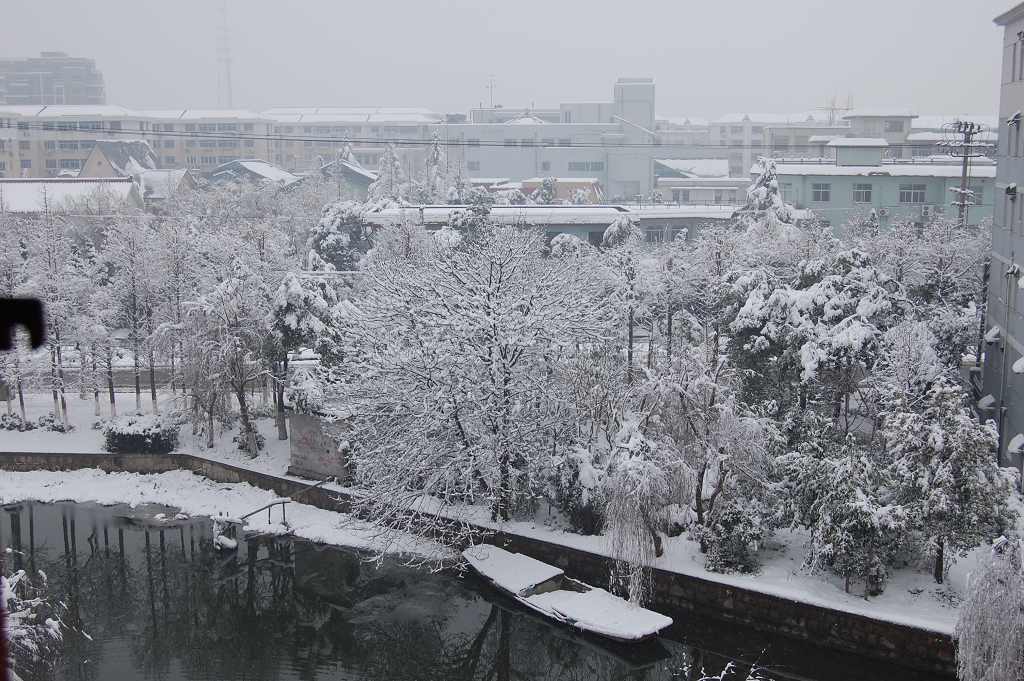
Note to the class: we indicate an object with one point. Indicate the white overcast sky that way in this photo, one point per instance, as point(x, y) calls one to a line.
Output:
point(708, 57)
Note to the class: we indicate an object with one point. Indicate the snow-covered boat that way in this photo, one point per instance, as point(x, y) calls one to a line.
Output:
point(549, 591)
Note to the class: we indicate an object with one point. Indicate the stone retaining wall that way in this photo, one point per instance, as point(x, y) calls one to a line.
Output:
point(674, 593)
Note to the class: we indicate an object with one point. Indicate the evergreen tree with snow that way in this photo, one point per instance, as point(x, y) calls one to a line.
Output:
point(388, 188)
point(342, 236)
point(766, 212)
point(547, 193)
point(945, 472)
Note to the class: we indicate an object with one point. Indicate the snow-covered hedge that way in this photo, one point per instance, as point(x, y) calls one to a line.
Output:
point(140, 434)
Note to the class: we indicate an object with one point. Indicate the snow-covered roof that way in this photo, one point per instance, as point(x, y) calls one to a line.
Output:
point(668, 212)
point(1016, 444)
point(162, 184)
point(526, 120)
point(254, 169)
point(697, 167)
point(127, 157)
point(27, 195)
point(564, 180)
point(933, 136)
point(880, 113)
point(589, 214)
point(940, 121)
point(858, 142)
point(884, 169)
point(818, 139)
point(805, 117)
point(987, 402)
point(511, 571)
point(352, 114)
point(992, 335)
point(684, 121)
point(488, 181)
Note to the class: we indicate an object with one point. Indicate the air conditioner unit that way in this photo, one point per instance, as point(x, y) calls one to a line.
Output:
point(926, 211)
point(883, 212)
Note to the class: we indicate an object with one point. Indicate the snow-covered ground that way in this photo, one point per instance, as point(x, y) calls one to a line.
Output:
point(911, 596)
point(195, 495)
point(84, 438)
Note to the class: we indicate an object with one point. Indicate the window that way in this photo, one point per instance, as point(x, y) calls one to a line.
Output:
point(894, 126)
point(207, 127)
point(912, 193)
point(90, 125)
point(51, 163)
point(169, 127)
point(250, 143)
point(565, 142)
point(473, 165)
point(208, 160)
point(70, 164)
point(510, 143)
point(227, 127)
point(248, 127)
point(24, 145)
point(548, 141)
point(190, 127)
point(821, 192)
point(756, 130)
point(66, 126)
point(787, 191)
point(862, 193)
point(50, 145)
point(208, 144)
point(170, 160)
point(26, 164)
point(736, 129)
point(168, 144)
point(86, 144)
point(586, 166)
point(718, 197)
point(545, 165)
point(68, 145)
point(47, 125)
point(115, 125)
point(23, 126)
point(191, 161)
point(190, 143)
point(681, 195)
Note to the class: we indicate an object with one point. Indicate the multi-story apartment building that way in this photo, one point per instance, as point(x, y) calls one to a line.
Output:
point(859, 178)
point(51, 78)
point(747, 136)
point(601, 140)
point(1002, 391)
point(319, 133)
point(43, 141)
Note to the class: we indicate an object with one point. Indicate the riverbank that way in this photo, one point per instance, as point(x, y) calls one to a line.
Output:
point(681, 589)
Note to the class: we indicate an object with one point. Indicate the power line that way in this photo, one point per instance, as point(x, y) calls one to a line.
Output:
point(418, 142)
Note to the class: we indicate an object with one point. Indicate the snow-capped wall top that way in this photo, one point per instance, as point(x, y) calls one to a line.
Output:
point(858, 142)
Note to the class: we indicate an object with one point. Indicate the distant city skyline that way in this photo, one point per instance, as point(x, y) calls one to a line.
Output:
point(708, 60)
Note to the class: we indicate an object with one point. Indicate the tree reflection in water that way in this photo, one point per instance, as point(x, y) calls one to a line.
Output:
point(160, 603)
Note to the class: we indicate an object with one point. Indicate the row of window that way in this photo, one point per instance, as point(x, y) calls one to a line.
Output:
point(1016, 57)
point(195, 161)
point(821, 192)
point(545, 166)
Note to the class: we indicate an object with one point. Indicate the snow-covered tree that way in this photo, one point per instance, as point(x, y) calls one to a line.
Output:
point(765, 210)
point(547, 192)
point(990, 629)
point(387, 189)
point(452, 363)
point(627, 278)
point(342, 235)
point(946, 474)
point(569, 246)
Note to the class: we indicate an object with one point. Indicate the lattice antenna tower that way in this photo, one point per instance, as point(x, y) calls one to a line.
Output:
point(224, 95)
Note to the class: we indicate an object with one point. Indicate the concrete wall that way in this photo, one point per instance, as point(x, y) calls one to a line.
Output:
point(676, 595)
point(315, 452)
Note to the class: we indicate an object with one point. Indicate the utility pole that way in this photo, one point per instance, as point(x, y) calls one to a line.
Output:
point(966, 148)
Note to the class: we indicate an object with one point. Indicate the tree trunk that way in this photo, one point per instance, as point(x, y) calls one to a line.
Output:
point(152, 382)
point(173, 377)
point(21, 400)
point(81, 373)
point(209, 422)
point(668, 333)
point(138, 379)
point(282, 424)
point(629, 347)
point(698, 505)
point(110, 382)
point(247, 429)
point(940, 559)
point(95, 385)
point(53, 382)
point(63, 398)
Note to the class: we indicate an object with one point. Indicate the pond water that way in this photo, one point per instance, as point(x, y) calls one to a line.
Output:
point(158, 602)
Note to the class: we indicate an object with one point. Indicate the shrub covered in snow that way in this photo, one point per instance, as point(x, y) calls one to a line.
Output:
point(579, 491)
point(140, 434)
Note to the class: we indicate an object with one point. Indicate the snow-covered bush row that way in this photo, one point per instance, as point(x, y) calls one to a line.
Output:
point(146, 434)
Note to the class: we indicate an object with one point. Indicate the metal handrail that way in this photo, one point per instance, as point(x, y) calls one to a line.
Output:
point(279, 502)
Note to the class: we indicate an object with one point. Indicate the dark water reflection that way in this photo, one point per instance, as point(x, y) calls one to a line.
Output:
point(159, 603)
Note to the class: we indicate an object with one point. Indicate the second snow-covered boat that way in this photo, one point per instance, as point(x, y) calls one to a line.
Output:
point(546, 589)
